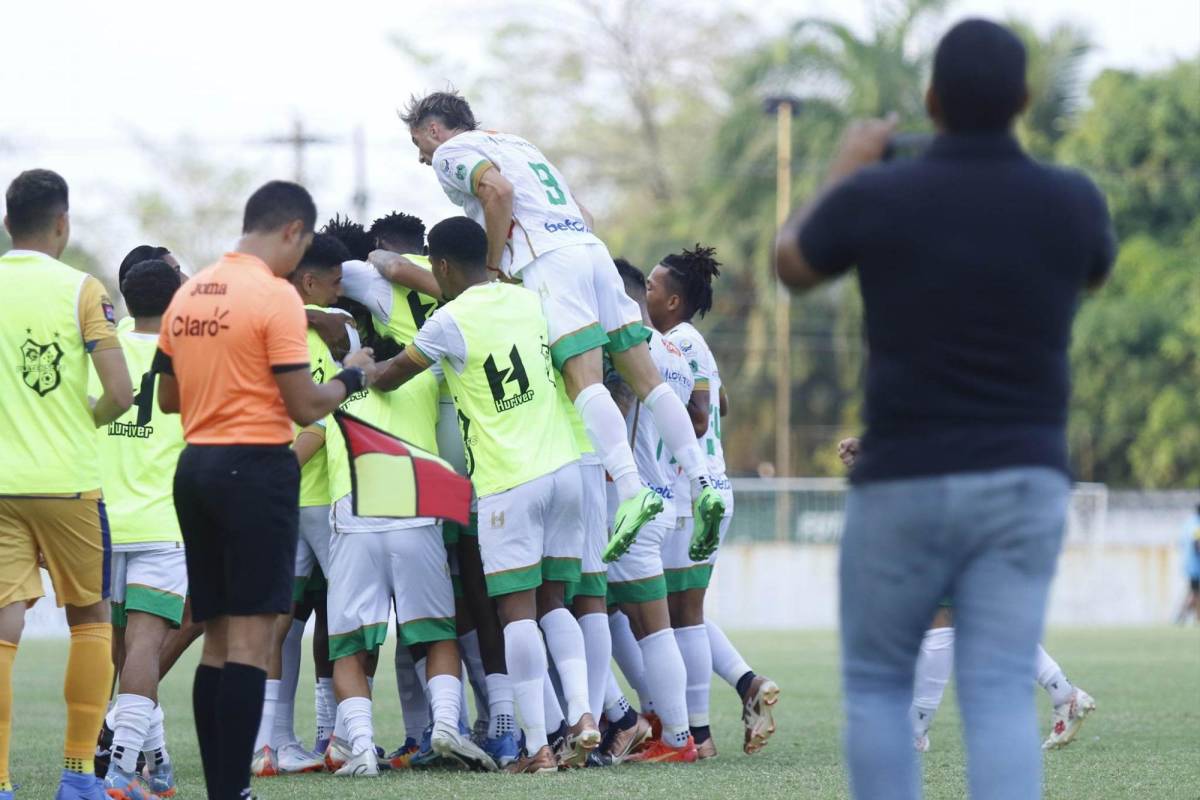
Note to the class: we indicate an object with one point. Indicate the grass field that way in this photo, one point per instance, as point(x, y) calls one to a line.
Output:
point(1142, 742)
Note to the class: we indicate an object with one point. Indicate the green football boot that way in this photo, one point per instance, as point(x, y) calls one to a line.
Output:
point(707, 511)
point(631, 516)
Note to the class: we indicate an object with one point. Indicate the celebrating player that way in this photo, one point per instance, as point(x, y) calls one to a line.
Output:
point(537, 231)
point(138, 453)
point(55, 318)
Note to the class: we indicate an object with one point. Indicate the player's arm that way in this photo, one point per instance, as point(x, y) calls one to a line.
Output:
point(400, 369)
point(308, 402)
point(399, 270)
point(495, 194)
point(308, 443)
point(724, 403)
point(331, 328)
point(697, 408)
point(117, 396)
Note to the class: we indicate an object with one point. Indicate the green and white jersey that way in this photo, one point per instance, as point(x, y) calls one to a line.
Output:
point(396, 311)
point(545, 215)
point(492, 343)
point(139, 452)
point(655, 465)
point(704, 368)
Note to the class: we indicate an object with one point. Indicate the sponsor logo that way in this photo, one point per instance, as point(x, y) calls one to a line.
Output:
point(675, 376)
point(499, 379)
point(187, 325)
point(40, 366)
point(460, 172)
point(568, 224)
point(106, 307)
point(446, 166)
point(497, 519)
point(671, 348)
point(208, 288)
point(130, 430)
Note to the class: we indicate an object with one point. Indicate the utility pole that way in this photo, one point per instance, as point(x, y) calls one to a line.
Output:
point(299, 139)
point(784, 107)
point(359, 143)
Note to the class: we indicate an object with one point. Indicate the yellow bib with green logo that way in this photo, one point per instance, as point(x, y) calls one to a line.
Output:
point(47, 434)
point(138, 454)
point(410, 413)
point(513, 423)
point(410, 309)
point(314, 475)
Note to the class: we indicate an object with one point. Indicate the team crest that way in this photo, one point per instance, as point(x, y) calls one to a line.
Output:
point(39, 366)
point(461, 172)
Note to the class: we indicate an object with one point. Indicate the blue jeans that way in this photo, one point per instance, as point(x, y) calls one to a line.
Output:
point(990, 542)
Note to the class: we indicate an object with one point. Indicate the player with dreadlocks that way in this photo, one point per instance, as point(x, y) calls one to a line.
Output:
point(678, 289)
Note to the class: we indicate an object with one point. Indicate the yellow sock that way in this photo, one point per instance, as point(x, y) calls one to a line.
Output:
point(8, 653)
point(86, 689)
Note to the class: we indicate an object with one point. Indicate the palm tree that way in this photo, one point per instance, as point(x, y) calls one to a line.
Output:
point(1055, 64)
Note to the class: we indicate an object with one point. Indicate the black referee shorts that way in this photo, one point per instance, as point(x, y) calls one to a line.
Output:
point(238, 509)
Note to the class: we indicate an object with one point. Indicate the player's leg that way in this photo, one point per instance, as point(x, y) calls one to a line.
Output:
point(1008, 535)
point(72, 536)
point(935, 663)
point(20, 584)
point(1071, 704)
point(413, 705)
point(628, 656)
point(424, 600)
point(562, 521)
point(324, 700)
point(179, 640)
point(590, 603)
point(564, 281)
point(510, 544)
point(893, 570)
point(155, 584)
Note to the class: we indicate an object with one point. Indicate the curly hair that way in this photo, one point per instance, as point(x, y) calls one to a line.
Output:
point(692, 272)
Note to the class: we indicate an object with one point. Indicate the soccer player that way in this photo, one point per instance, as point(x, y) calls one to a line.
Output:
point(492, 343)
point(678, 289)
point(375, 563)
point(148, 252)
point(636, 579)
point(935, 663)
point(1191, 568)
point(233, 358)
point(317, 279)
point(50, 504)
point(138, 453)
point(537, 232)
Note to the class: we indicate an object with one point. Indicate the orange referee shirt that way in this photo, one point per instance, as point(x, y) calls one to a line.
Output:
point(227, 331)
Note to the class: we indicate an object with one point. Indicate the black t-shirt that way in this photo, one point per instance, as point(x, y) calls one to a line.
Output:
point(971, 260)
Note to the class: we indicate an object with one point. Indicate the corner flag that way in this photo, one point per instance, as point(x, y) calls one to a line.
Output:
point(392, 478)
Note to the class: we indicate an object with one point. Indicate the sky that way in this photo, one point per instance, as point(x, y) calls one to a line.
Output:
point(105, 86)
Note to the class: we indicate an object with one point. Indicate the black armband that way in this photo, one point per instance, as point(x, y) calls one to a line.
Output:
point(353, 378)
point(162, 364)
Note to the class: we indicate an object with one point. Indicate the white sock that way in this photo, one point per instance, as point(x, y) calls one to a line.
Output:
point(132, 717)
point(615, 704)
point(339, 724)
point(468, 643)
point(1050, 677)
point(155, 747)
point(501, 714)
point(727, 661)
point(675, 427)
point(606, 428)
point(423, 676)
point(526, 658)
point(360, 733)
point(289, 678)
point(697, 659)
point(445, 698)
point(564, 640)
point(629, 658)
point(597, 645)
point(110, 717)
point(266, 728)
point(464, 718)
point(553, 707)
point(412, 696)
point(325, 707)
point(667, 676)
point(935, 663)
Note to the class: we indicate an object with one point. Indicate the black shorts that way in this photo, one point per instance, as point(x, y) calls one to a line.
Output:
point(239, 512)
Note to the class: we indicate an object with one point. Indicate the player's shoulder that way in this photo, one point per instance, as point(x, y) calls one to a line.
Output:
point(686, 338)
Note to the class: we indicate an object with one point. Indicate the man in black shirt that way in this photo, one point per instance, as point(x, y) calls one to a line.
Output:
point(971, 259)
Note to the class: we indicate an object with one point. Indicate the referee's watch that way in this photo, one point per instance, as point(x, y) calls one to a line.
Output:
point(353, 378)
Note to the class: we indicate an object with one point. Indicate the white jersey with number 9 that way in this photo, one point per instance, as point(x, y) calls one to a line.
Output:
point(545, 215)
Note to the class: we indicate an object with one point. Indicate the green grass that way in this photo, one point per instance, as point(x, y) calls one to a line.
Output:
point(1143, 741)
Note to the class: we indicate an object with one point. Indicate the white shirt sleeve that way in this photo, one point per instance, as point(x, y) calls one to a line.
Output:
point(362, 283)
point(440, 340)
point(458, 164)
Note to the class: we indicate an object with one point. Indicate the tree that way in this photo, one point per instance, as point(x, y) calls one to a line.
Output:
point(1053, 72)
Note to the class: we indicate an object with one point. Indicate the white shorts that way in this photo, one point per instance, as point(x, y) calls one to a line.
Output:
point(594, 506)
point(371, 572)
point(312, 547)
point(584, 300)
point(152, 579)
point(681, 572)
point(532, 532)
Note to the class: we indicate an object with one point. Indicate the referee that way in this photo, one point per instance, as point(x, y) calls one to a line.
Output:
point(233, 355)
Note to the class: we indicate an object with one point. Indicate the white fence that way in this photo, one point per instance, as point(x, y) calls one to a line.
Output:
point(778, 569)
